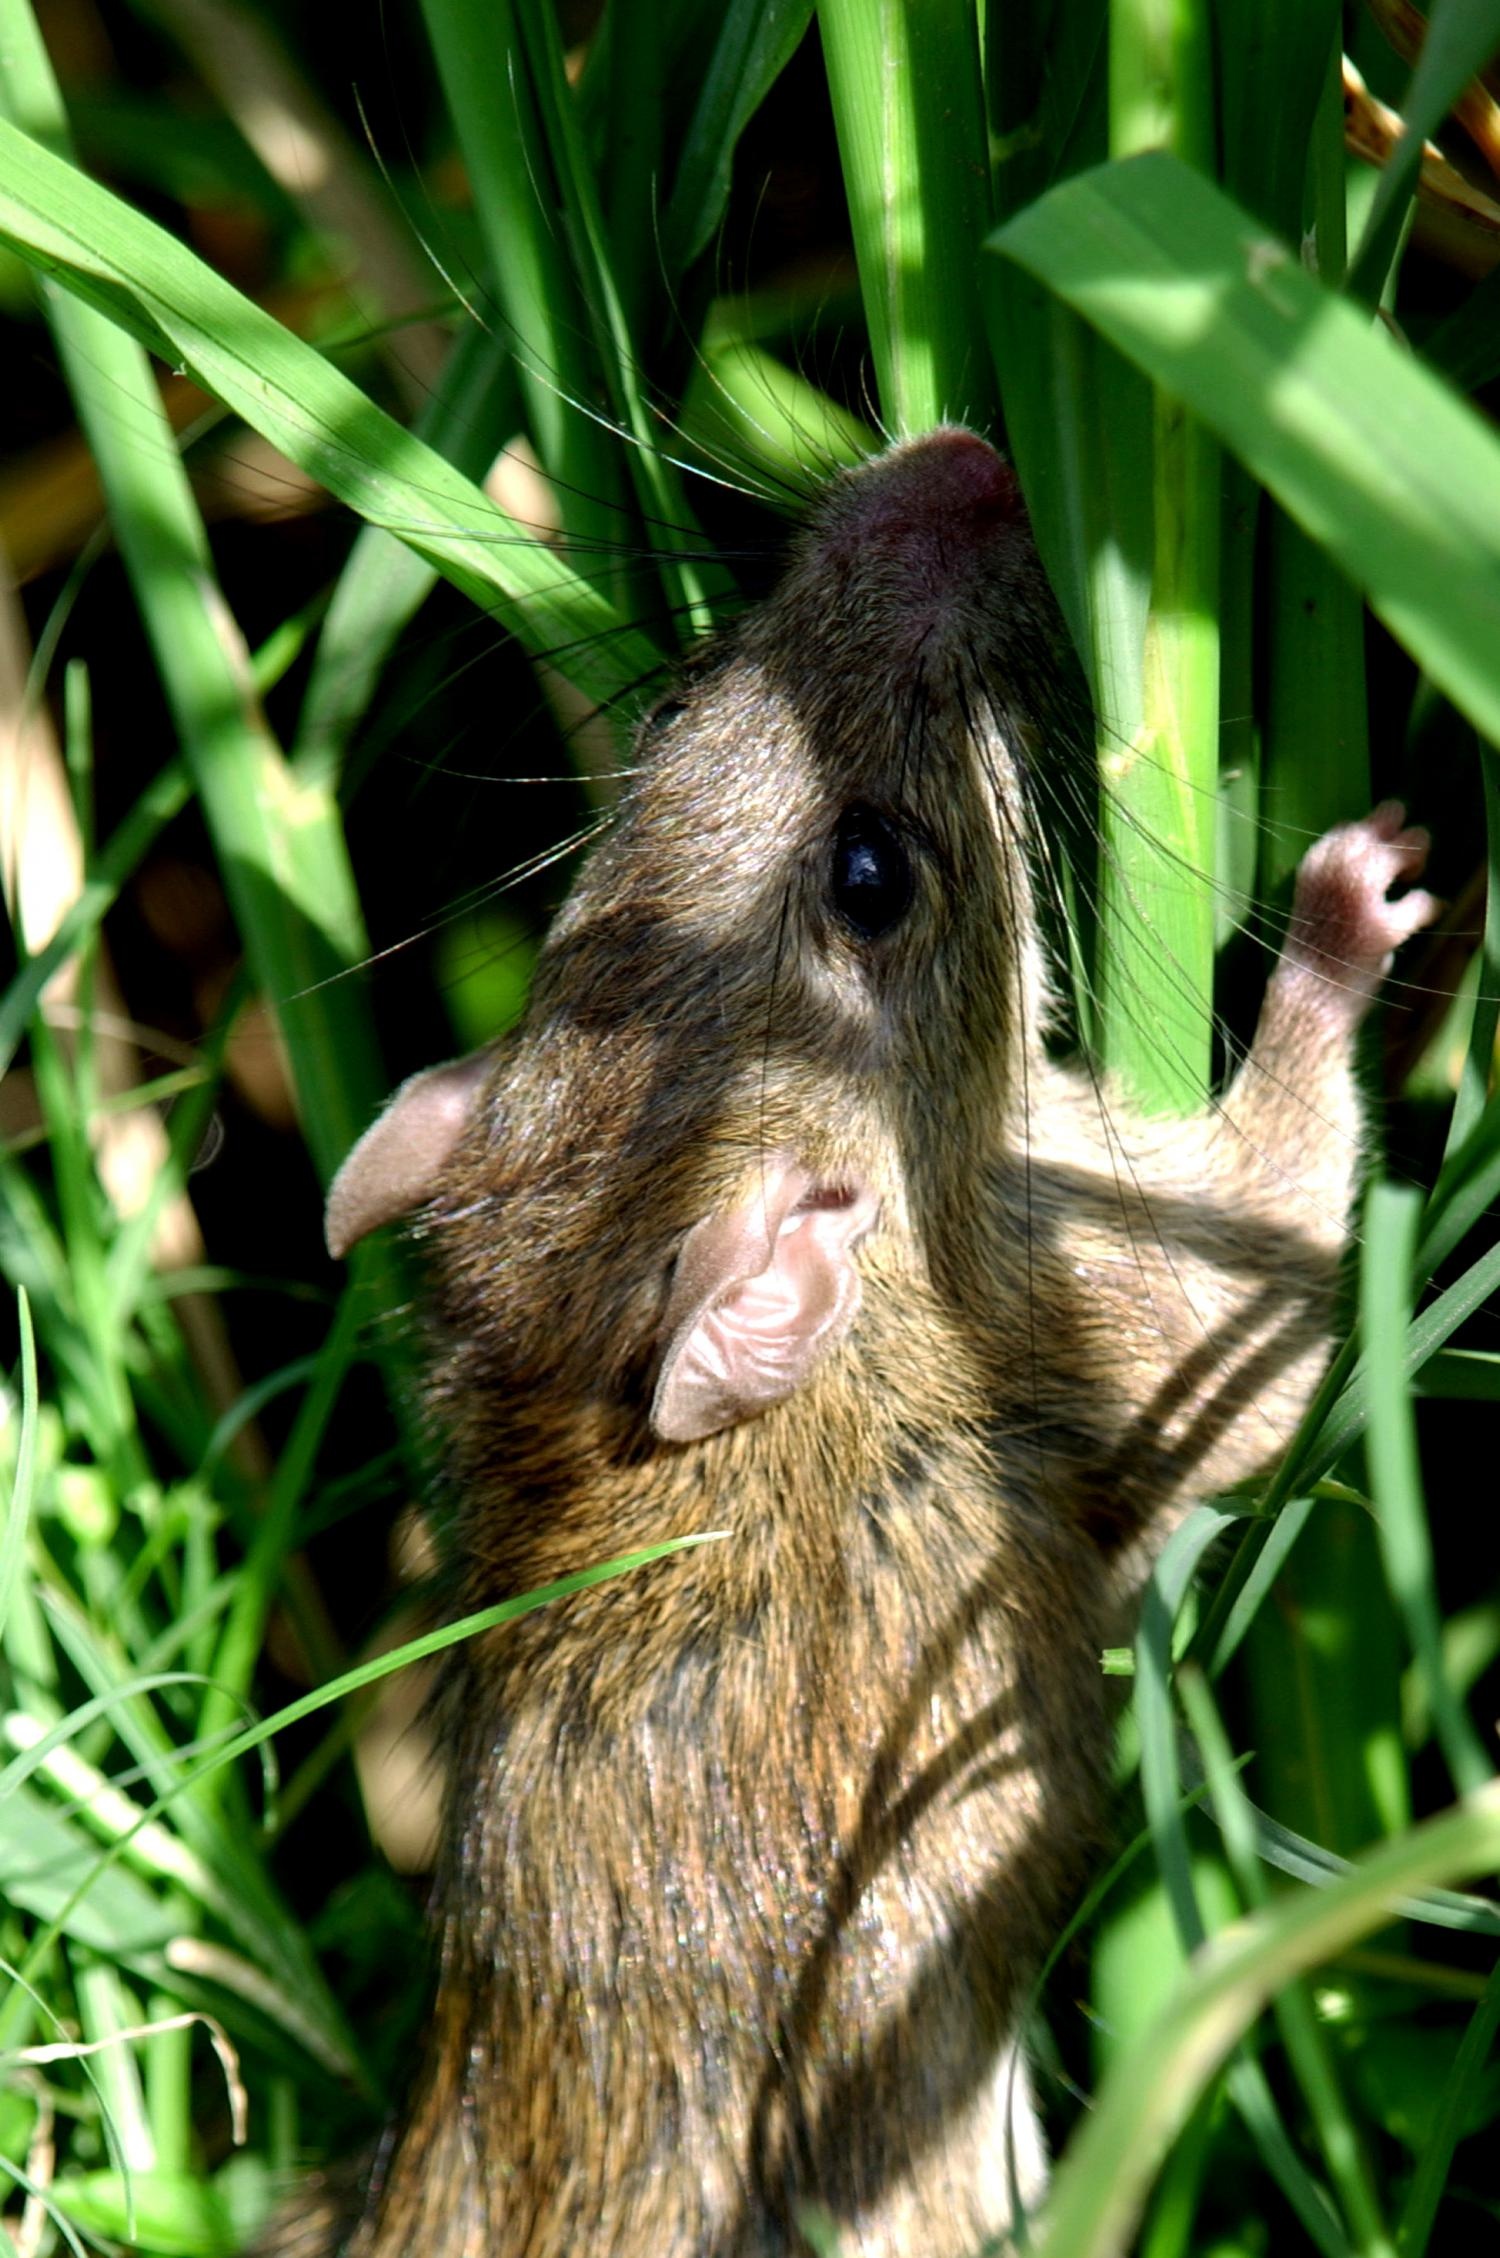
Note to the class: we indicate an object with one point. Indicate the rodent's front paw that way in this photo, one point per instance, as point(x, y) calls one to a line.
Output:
point(1344, 928)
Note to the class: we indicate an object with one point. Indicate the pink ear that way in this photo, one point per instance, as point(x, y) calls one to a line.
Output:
point(397, 1161)
point(761, 1291)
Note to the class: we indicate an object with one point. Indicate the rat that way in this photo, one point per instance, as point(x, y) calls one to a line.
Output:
point(776, 1217)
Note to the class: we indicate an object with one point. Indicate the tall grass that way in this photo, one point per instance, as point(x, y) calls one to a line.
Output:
point(1125, 237)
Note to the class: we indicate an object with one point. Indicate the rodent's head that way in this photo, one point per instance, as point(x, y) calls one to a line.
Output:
point(786, 1005)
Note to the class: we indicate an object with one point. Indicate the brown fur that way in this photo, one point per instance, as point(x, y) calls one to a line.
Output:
point(752, 1854)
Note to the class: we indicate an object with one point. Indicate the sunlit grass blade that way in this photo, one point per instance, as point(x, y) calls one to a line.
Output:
point(909, 111)
point(1367, 450)
point(50, 1867)
point(101, 251)
point(169, 2214)
point(67, 1885)
point(1089, 495)
point(751, 416)
point(216, 1863)
point(1157, 807)
point(1295, 1855)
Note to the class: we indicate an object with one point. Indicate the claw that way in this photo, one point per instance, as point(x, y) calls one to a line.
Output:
point(1344, 926)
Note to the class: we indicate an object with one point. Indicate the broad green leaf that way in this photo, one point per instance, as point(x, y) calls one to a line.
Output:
point(1374, 456)
point(50, 1867)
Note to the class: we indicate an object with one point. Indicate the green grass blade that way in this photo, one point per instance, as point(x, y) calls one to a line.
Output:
point(1102, 2180)
point(67, 1883)
point(1046, 88)
point(49, 1867)
point(473, 411)
point(1283, 161)
point(98, 249)
point(1316, 761)
point(1274, 59)
point(909, 113)
point(1462, 1375)
point(1161, 1787)
point(286, 868)
point(18, 1504)
point(1334, 1419)
point(1428, 2181)
point(1479, 1060)
point(1307, 2049)
point(1156, 942)
point(755, 42)
point(244, 1627)
point(660, 506)
point(492, 98)
point(1087, 482)
point(748, 415)
point(1391, 1220)
point(1305, 1861)
point(1372, 455)
point(164, 797)
point(1469, 1182)
point(281, 844)
point(1160, 1781)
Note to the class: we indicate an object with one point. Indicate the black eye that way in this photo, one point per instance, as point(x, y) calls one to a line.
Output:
point(666, 709)
point(872, 875)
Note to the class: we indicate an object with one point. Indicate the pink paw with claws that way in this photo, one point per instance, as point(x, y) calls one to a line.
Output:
point(1344, 927)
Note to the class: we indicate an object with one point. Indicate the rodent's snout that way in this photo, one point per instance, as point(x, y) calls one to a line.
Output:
point(948, 485)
